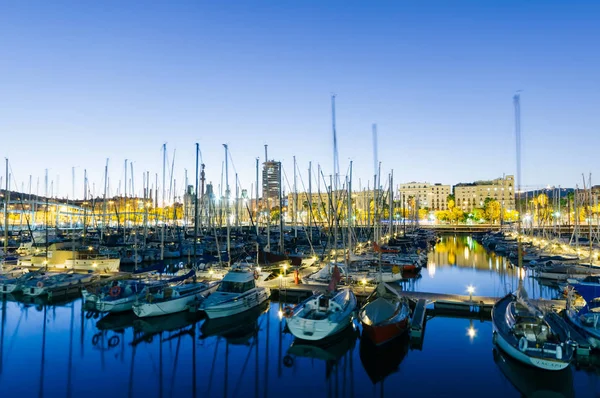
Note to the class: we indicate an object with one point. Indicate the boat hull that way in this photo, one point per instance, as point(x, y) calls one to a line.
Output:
point(237, 306)
point(121, 305)
point(381, 334)
point(515, 353)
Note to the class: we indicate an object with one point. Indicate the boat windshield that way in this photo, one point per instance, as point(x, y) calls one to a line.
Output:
point(235, 287)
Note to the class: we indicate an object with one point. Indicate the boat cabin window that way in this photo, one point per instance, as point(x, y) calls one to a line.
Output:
point(236, 287)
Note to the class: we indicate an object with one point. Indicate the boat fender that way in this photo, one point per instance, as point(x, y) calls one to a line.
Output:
point(558, 352)
point(495, 337)
point(96, 338)
point(40, 284)
point(114, 341)
point(288, 361)
point(115, 291)
point(256, 274)
point(523, 344)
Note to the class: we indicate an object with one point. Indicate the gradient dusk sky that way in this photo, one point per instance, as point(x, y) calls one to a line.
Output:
point(82, 81)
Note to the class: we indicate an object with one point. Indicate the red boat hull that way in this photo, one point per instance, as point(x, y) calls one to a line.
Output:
point(380, 334)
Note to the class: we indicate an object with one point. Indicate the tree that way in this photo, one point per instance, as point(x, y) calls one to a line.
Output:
point(491, 208)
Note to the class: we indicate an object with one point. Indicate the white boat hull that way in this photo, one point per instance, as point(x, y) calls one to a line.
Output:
point(307, 329)
point(45, 289)
point(10, 288)
point(236, 306)
point(524, 358)
point(170, 306)
point(121, 305)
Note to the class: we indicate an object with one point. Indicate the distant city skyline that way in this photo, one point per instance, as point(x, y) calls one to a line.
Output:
point(83, 82)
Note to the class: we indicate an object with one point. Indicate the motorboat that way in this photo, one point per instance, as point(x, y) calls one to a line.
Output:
point(323, 315)
point(172, 299)
point(528, 335)
point(237, 293)
point(50, 283)
point(385, 315)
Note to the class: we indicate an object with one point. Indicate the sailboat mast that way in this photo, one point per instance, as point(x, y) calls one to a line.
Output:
point(267, 202)
point(164, 183)
point(350, 213)
point(103, 200)
point(281, 245)
point(6, 200)
point(196, 206)
point(391, 206)
point(336, 172)
point(295, 213)
point(257, 215)
point(227, 204)
point(517, 104)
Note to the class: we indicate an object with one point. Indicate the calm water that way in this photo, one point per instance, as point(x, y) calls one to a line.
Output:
point(59, 350)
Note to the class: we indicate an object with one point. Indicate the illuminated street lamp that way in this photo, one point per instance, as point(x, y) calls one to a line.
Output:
point(470, 289)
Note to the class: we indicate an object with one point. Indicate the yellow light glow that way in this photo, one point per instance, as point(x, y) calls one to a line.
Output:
point(471, 332)
point(280, 314)
point(280, 276)
point(258, 269)
point(364, 281)
point(94, 265)
point(211, 272)
point(470, 289)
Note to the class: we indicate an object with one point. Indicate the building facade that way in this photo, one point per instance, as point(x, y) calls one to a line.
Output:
point(426, 195)
point(271, 181)
point(473, 195)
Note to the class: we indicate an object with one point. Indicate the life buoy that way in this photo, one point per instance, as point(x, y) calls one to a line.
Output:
point(523, 344)
point(115, 291)
point(287, 311)
point(40, 284)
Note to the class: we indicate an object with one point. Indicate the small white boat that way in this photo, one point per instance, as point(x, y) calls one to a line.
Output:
point(170, 300)
point(51, 283)
point(121, 296)
point(237, 293)
point(323, 315)
point(14, 285)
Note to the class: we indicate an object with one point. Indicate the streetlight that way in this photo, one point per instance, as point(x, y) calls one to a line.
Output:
point(470, 289)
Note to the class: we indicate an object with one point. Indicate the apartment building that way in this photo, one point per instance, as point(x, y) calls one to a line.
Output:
point(472, 195)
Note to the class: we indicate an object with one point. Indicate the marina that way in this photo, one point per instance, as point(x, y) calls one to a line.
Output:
point(186, 354)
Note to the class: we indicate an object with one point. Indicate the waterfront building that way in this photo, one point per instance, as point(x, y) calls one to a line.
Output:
point(473, 195)
point(426, 195)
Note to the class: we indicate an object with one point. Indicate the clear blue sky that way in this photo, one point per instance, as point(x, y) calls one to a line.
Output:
point(83, 81)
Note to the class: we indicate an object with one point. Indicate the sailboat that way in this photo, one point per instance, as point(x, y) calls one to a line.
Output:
point(324, 314)
point(385, 314)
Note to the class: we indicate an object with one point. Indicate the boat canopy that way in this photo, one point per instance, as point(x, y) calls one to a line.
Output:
point(239, 276)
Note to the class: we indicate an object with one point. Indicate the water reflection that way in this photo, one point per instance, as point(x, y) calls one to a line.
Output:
point(66, 351)
point(532, 382)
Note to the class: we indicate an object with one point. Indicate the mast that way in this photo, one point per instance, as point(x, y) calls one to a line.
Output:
point(6, 202)
point(517, 105)
point(227, 205)
point(336, 172)
point(349, 211)
point(310, 210)
point(281, 245)
point(202, 179)
point(196, 207)
point(257, 215)
point(164, 183)
point(375, 182)
point(391, 206)
point(268, 203)
point(295, 213)
point(103, 200)
point(46, 221)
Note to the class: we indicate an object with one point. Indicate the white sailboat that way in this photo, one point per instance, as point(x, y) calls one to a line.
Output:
point(323, 315)
point(237, 293)
point(173, 299)
point(50, 283)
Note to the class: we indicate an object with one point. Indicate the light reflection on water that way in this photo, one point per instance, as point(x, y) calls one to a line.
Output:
point(60, 350)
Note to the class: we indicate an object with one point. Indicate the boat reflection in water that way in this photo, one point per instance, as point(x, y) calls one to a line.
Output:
point(532, 382)
point(116, 321)
point(236, 329)
point(381, 361)
point(330, 350)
